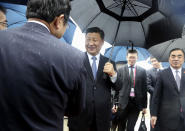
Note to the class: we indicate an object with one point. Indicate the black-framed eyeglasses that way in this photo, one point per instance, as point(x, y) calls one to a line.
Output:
point(4, 23)
point(67, 26)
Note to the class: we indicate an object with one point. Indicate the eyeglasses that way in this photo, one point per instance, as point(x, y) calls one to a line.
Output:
point(4, 23)
point(67, 26)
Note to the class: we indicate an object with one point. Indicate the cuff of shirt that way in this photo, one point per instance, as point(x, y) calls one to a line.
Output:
point(113, 78)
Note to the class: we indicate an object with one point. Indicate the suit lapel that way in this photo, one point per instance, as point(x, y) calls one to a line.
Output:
point(102, 62)
point(172, 79)
point(127, 73)
point(88, 67)
point(137, 73)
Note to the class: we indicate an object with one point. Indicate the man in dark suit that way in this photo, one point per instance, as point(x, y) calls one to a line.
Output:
point(168, 104)
point(3, 21)
point(151, 79)
point(152, 74)
point(41, 79)
point(97, 114)
point(133, 94)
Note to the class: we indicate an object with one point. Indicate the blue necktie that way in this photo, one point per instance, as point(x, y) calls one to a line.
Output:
point(94, 68)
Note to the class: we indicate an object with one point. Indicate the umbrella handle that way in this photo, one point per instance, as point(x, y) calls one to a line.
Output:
point(105, 75)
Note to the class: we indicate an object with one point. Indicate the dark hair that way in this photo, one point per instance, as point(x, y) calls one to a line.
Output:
point(132, 51)
point(152, 57)
point(47, 10)
point(175, 49)
point(2, 9)
point(96, 30)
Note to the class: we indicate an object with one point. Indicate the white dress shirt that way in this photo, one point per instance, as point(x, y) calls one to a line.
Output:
point(40, 23)
point(134, 69)
point(91, 60)
point(174, 72)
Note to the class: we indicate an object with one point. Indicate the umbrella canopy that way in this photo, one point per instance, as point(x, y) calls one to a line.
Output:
point(20, 2)
point(170, 7)
point(119, 53)
point(16, 17)
point(140, 21)
point(161, 51)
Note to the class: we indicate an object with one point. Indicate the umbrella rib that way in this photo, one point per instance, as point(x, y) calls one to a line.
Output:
point(111, 6)
point(18, 12)
point(133, 7)
point(167, 48)
point(22, 21)
point(91, 21)
point(131, 10)
point(141, 6)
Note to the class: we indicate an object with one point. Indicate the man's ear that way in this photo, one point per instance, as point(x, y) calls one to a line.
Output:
point(59, 21)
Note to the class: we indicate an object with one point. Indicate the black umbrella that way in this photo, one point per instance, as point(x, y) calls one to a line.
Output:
point(20, 2)
point(140, 21)
point(161, 51)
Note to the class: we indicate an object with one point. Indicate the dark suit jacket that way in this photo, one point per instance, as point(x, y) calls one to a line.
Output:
point(167, 100)
point(124, 81)
point(38, 74)
point(98, 99)
point(151, 81)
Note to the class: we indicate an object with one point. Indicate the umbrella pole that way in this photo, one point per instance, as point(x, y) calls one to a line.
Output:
point(110, 57)
point(122, 11)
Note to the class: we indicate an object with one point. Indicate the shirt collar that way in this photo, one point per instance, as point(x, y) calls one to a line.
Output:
point(90, 56)
point(40, 23)
point(174, 70)
point(132, 66)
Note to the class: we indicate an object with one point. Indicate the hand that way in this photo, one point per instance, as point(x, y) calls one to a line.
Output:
point(153, 121)
point(109, 69)
point(114, 109)
point(144, 111)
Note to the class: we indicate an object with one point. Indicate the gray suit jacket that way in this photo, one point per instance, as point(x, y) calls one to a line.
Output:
point(167, 100)
point(123, 81)
point(41, 79)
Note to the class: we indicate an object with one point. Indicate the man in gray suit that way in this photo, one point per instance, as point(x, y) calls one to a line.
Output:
point(133, 94)
point(168, 104)
point(41, 79)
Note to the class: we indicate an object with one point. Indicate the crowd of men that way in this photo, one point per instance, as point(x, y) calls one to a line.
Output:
point(42, 80)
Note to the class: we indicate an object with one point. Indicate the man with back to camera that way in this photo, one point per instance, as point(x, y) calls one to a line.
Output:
point(97, 114)
point(3, 21)
point(41, 79)
point(169, 95)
